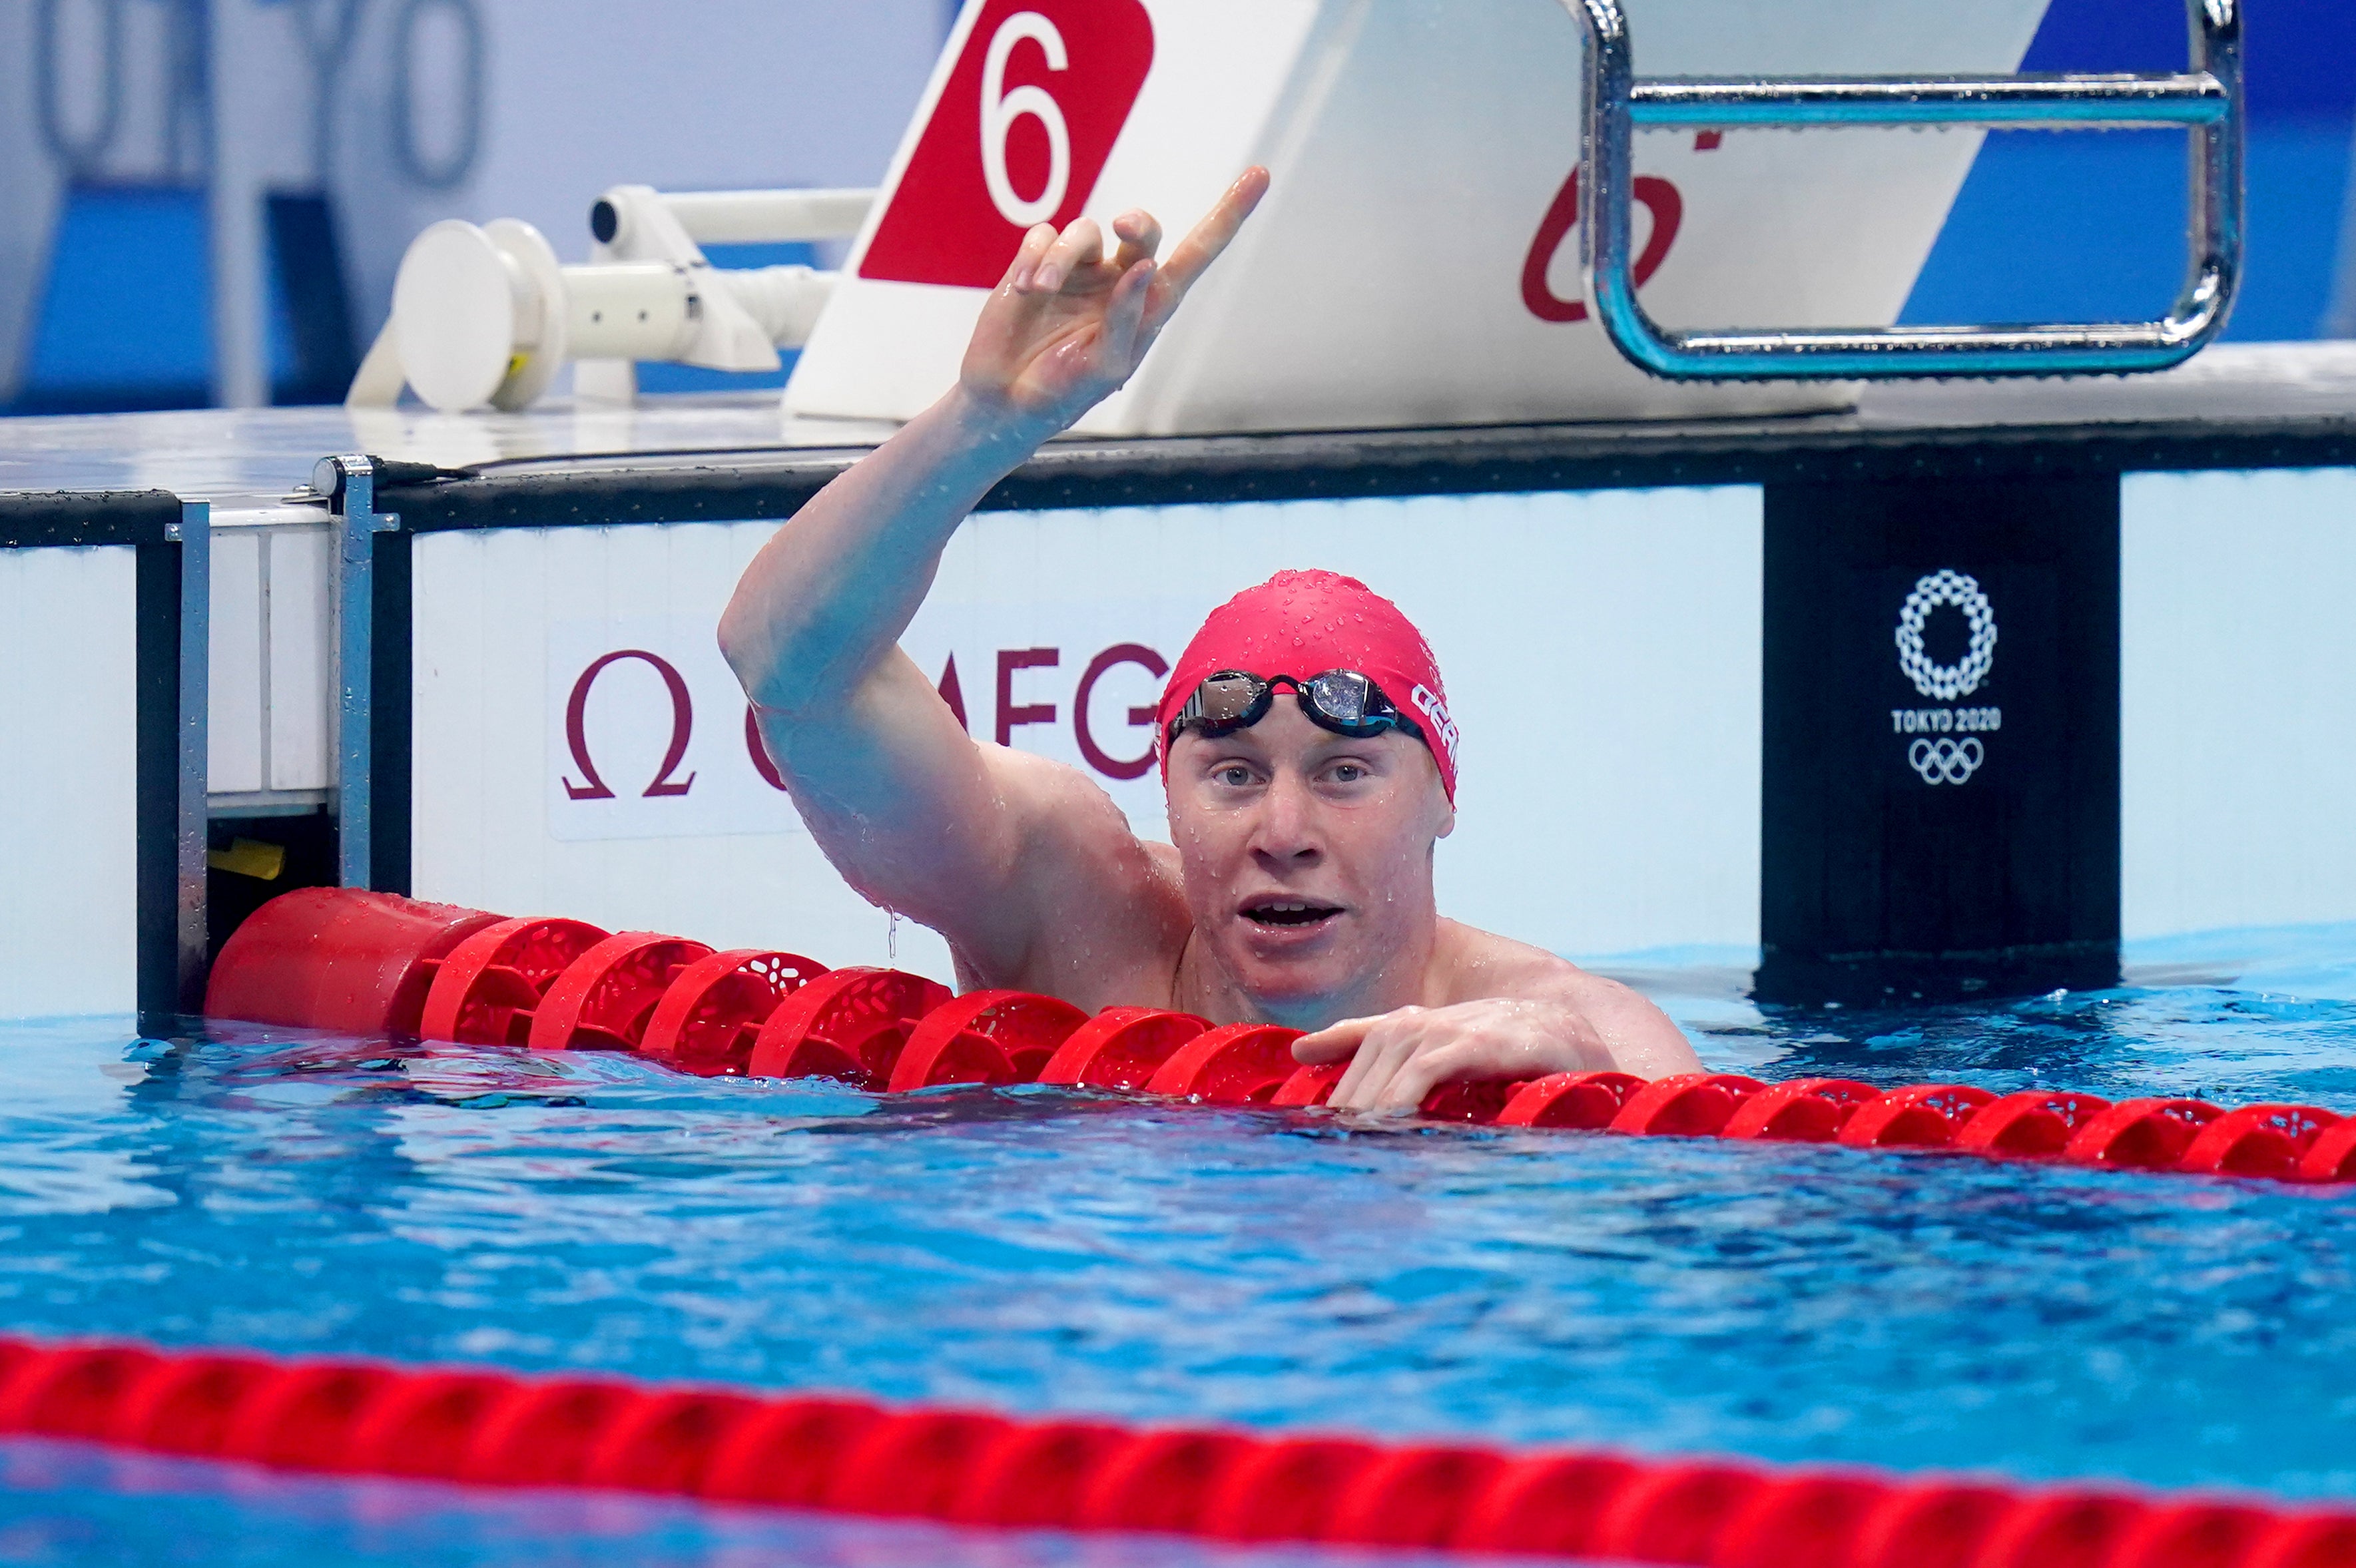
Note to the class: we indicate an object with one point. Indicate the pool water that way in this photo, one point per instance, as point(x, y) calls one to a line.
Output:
point(1036, 1249)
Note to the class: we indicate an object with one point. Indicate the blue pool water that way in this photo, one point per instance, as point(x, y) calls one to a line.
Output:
point(1034, 1250)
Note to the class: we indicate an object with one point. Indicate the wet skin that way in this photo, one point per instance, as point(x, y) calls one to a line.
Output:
point(1306, 859)
point(1297, 888)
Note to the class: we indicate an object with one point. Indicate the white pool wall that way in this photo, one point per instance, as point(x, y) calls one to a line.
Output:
point(68, 793)
point(2238, 700)
point(1603, 649)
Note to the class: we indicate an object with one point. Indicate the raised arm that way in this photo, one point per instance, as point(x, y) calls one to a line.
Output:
point(915, 814)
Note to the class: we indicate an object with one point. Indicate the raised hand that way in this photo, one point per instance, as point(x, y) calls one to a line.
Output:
point(1067, 325)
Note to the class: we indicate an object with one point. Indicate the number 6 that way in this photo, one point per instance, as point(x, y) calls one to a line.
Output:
point(1000, 108)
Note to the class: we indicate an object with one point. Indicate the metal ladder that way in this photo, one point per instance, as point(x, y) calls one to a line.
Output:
point(2205, 101)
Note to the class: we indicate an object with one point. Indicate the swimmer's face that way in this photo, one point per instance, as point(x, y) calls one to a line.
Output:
point(1307, 856)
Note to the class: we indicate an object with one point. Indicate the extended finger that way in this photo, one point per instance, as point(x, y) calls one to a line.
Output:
point(1035, 241)
point(1422, 1072)
point(1371, 1071)
point(1345, 1092)
point(1333, 1043)
point(1140, 237)
point(1207, 238)
point(1078, 246)
point(1124, 318)
point(1372, 1092)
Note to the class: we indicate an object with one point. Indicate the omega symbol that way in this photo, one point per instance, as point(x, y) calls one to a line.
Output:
point(576, 729)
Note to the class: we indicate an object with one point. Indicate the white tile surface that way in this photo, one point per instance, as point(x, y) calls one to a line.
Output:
point(234, 691)
point(301, 608)
point(2238, 700)
point(68, 938)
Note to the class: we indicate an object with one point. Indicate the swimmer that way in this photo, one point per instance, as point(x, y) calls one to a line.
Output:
point(1308, 784)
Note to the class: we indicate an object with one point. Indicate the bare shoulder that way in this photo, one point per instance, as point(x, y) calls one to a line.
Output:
point(1107, 909)
point(1473, 965)
point(1476, 963)
point(1060, 813)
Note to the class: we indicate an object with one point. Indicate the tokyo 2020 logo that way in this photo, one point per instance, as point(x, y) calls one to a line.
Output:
point(1944, 682)
point(1950, 750)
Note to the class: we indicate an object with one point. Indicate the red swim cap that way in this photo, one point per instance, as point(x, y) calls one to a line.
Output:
point(1304, 623)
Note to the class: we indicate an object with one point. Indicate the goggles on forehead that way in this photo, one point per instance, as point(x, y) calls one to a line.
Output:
point(1342, 700)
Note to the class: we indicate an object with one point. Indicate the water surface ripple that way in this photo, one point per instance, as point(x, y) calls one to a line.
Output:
point(1035, 1250)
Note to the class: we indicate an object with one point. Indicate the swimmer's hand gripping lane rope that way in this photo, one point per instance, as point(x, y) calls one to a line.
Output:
point(2205, 101)
point(371, 964)
point(850, 1456)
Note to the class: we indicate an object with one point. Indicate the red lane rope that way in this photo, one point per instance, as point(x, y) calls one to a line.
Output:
point(965, 1466)
point(374, 964)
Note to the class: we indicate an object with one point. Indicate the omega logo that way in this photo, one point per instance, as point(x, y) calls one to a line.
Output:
point(1094, 739)
point(1658, 196)
point(577, 729)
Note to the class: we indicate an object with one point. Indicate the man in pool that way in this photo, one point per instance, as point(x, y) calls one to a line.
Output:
point(1309, 780)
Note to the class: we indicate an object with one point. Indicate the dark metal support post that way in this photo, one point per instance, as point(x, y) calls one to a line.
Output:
point(351, 482)
point(173, 632)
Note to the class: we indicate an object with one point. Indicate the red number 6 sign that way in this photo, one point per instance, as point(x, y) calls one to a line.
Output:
point(1018, 136)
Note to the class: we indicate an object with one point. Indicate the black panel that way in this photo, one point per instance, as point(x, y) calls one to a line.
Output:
point(157, 680)
point(389, 698)
point(773, 482)
point(41, 520)
point(1954, 829)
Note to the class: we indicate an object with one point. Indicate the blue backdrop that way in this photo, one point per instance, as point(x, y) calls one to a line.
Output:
point(2091, 225)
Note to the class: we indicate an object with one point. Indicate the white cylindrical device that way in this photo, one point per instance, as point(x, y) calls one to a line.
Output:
point(741, 217)
point(471, 314)
point(630, 310)
point(786, 301)
point(487, 316)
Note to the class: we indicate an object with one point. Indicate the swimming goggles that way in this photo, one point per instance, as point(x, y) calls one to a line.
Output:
point(1342, 700)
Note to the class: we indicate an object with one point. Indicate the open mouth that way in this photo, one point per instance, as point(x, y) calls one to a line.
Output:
point(1290, 912)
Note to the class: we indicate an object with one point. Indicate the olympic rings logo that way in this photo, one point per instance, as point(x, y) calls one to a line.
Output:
point(1946, 761)
point(1946, 682)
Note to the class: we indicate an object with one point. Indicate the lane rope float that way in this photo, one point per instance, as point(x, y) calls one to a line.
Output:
point(374, 964)
point(844, 1455)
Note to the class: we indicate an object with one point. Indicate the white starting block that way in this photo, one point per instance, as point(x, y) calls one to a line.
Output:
point(1415, 261)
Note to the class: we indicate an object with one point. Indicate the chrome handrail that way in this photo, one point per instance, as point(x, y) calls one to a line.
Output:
point(2206, 101)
